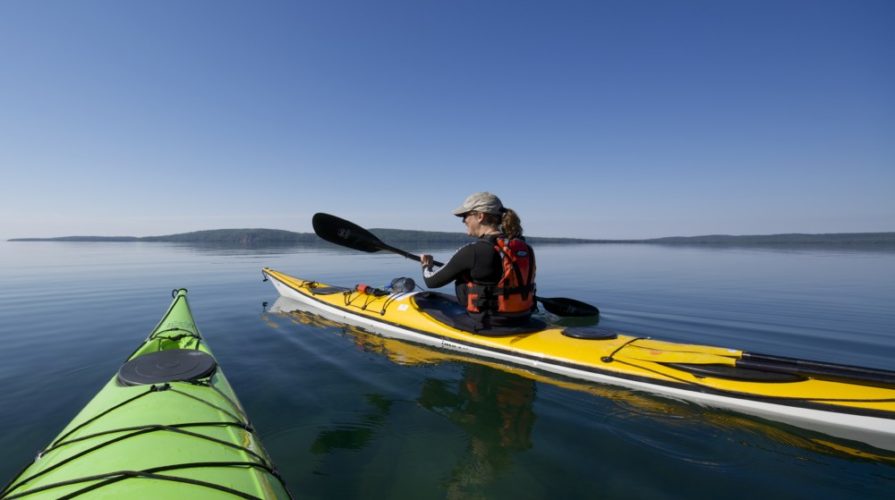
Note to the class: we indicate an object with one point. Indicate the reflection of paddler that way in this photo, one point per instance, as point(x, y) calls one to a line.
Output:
point(512, 397)
point(490, 404)
point(495, 409)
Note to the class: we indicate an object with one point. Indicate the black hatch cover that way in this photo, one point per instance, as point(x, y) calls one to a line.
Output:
point(167, 366)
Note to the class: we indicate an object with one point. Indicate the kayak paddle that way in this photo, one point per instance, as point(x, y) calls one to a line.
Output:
point(348, 234)
point(813, 368)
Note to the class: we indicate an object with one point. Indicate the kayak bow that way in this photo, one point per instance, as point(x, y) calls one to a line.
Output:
point(167, 425)
point(843, 401)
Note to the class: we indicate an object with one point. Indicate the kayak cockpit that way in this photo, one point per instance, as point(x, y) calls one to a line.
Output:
point(445, 309)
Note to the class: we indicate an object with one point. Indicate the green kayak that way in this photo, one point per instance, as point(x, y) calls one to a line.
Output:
point(168, 425)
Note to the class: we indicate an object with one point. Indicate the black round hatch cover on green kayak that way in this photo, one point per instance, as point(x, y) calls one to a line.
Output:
point(167, 366)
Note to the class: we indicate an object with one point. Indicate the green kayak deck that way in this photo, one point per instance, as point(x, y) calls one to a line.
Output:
point(167, 425)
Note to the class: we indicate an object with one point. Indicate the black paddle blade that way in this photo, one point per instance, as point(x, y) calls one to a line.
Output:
point(561, 306)
point(347, 234)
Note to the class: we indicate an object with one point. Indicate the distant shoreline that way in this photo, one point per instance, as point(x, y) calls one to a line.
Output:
point(277, 237)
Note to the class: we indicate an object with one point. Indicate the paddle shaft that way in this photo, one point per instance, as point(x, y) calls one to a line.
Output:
point(407, 254)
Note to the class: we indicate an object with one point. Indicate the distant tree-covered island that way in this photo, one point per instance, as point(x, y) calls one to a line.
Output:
point(255, 237)
point(426, 239)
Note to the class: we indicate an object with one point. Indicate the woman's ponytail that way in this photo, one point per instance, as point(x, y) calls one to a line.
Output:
point(510, 223)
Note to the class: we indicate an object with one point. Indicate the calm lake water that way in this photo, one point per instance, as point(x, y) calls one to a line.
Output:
point(348, 415)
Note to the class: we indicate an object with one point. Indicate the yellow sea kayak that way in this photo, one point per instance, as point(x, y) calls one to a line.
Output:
point(842, 401)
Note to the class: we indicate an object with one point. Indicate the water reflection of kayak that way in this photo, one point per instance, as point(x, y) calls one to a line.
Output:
point(842, 401)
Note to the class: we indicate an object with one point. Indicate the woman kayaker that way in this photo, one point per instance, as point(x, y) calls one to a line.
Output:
point(494, 276)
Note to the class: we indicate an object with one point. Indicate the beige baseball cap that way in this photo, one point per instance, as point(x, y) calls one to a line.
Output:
point(484, 202)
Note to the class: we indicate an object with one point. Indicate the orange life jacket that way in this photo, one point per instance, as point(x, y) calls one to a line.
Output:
point(514, 294)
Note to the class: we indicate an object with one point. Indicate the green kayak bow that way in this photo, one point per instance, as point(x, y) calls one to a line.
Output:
point(167, 425)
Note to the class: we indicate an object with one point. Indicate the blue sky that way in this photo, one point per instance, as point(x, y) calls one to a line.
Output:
point(603, 119)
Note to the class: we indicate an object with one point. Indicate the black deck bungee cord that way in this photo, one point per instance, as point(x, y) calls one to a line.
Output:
point(139, 431)
point(241, 417)
point(150, 390)
point(610, 359)
point(151, 473)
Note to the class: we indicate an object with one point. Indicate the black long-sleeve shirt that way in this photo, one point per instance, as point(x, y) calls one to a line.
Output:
point(476, 261)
